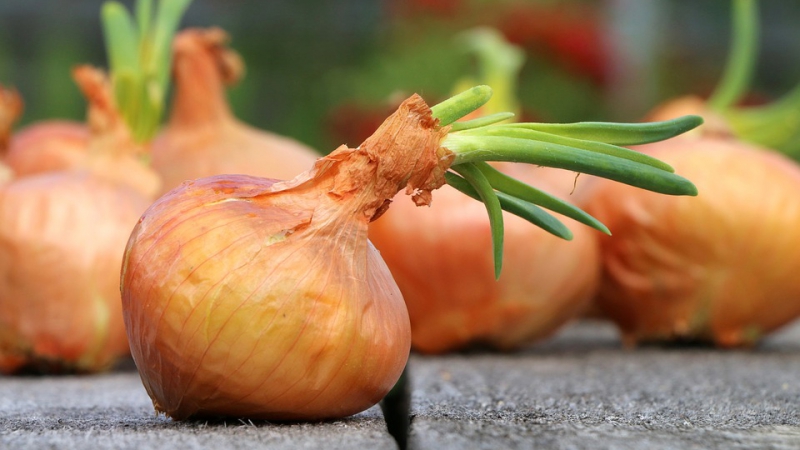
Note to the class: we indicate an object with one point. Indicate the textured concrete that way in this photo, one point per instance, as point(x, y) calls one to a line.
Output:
point(583, 391)
point(580, 390)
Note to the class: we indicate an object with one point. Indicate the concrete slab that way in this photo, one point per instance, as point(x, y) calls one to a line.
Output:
point(579, 390)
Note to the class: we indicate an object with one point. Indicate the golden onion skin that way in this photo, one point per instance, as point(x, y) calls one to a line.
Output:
point(243, 302)
point(62, 236)
point(721, 267)
point(442, 260)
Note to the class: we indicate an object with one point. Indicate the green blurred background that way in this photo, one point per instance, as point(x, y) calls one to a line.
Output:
point(324, 71)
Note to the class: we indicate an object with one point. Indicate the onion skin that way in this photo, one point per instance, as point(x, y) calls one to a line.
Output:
point(719, 268)
point(247, 297)
point(442, 261)
point(62, 236)
point(203, 137)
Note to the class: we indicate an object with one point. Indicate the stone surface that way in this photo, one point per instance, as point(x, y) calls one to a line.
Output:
point(579, 390)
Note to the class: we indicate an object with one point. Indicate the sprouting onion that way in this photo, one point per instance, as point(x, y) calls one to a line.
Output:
point(128, 115)
point(248, 297)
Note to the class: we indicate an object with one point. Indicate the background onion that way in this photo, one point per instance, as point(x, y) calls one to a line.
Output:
point(203, 137)
point(718, 268)
point(441, 260)
point(62, 236)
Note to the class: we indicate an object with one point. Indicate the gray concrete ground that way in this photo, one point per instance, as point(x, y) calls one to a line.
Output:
point(580, 390)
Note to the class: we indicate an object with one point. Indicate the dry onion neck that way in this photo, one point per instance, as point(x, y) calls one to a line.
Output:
point(590, 147)
point(140, 55)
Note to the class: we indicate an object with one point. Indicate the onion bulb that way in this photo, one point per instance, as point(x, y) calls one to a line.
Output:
point(441, 260)
point(247, 297)
point(203, 137)
point(721, 268)
point(62, 235)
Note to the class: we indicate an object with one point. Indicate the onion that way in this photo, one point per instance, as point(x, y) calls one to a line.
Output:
point(441, 260)
point(62, 235)
point(203, 137)
point(721, 268)
point(247, 297)
point(441, 256)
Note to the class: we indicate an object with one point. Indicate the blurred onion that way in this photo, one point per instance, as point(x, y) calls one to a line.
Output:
point(203, 137)
point(442, 261)
point(718, 268)
point(62, 235)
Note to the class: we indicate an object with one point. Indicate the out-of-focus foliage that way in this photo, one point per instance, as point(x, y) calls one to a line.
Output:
point(325, 71)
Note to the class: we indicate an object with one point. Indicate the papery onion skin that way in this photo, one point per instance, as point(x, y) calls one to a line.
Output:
point(719, 268)
point(62, 236)
point(203, 137)
point(245, 297)
point(313, 333)
point(442, 261)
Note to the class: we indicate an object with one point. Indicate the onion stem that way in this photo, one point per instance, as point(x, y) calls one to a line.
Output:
point(498, 148)
point(776, 125)
point(590, 147)
point(481, 121)
point(517, 189)
point(744, 47)
point(516, 206)
point(461, 104)
point(499, 63)
point(618, 133)
point(140, 55)
point(486, 192)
